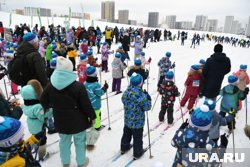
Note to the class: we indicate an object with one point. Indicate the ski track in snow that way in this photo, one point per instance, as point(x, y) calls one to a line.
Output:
point(109, 142)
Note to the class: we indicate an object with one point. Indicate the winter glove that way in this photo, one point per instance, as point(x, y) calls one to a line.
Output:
point(2, 75)
point(246, 91)
point(147, 95)
point(96, 59)
point(232, 112)
point(224, 140)
point(191, 111)
point(184, 124)
point(105, 87)
point(149, 60)
point(173, 65)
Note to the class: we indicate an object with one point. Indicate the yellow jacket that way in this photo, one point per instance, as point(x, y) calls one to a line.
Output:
point(72, 53)
point(18, 161)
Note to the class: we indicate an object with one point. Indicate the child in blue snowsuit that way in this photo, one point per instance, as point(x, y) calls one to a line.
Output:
point(95, 91)
point(136, 102)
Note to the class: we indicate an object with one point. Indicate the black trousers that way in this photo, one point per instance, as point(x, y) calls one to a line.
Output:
point(137, 135)
point(169, 109)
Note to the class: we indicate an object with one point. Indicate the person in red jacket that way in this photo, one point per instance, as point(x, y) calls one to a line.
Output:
point(81, 68)
point(1, 30)
point(193, 84)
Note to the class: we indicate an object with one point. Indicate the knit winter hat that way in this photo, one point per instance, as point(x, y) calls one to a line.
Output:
point(243, 67)
point(30, 37)
point(53, 45)
point(83, 57)
point(218, 48)
point(90, 52)
point(202, 62)
point(54, 54)
point(201, 118)
point(232, 80)
point(15, 45)
point(137, 62)
point(169, 76)
point(104, 43)
point(168, 54)
point(136, 79)
point(53, 63)
point(84, 41)
point(11, 131)
point(118, 55)
point(210, 103)
point(64, 64)
point(142, 53)
point(195, 67)
point(91, 71)
point(120, 47)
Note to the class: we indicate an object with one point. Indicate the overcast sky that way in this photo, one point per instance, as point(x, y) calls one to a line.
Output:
point(186, 10)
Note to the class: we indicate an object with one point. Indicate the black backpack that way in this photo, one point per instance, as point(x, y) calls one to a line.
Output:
point(19, 71)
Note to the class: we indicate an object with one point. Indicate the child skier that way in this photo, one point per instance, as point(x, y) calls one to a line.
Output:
point(138, 45)
point(117, 69)
point(91, 59)
point(84, 46)
point(95, 92)
point(137, 68)
point(193, 135)
point(193, 84)
point(202, 63)
point(105, 56)
point(14, 151)
point(169, 91)
point(35, 113)
point(81, 68)
point(217, 121)
point(164, 65)
point(243, 80)
point(136, 103)
point(71, 52)
point(231, 94)
point(51, 47)
point(144, 62)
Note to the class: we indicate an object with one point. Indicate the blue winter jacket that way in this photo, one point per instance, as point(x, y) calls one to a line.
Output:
point(35, 113)
point(230, 96)
point(135, 104)
point(164, 65)
point(190, 138)
point(94, 92)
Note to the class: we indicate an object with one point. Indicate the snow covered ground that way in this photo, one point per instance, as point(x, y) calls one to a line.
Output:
point(109, 142)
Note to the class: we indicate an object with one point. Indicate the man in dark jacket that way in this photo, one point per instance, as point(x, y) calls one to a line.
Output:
point(126, 43)
point(72, 110)
point(216, 67)
point(29, 48)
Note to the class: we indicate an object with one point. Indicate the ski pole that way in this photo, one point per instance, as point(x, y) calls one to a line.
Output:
point(7, 96)
point(100, 73)
point(233, 139)
point(178, 97)
point(155, 102)
point(149, 145)
point(108, 108)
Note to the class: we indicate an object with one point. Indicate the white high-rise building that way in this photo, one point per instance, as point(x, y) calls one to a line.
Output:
point(248, 27)
point(228, 24)
point(123, 16)
point(185, 25)
point(31, 11)
point(108, 11)
point(235, 29)
point(153, 18)
point(170, 21)
point(212, 25)
point(200, 23)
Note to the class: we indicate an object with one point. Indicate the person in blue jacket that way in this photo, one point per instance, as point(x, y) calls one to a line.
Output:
point(95, 91)
point(136, 102)
point(36, 116)
point(193, 136)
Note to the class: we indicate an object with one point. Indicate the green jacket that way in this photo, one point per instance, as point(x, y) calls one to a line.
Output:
point(48, 55)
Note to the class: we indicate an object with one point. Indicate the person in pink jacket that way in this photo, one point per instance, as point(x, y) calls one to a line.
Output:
point(243, 80)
